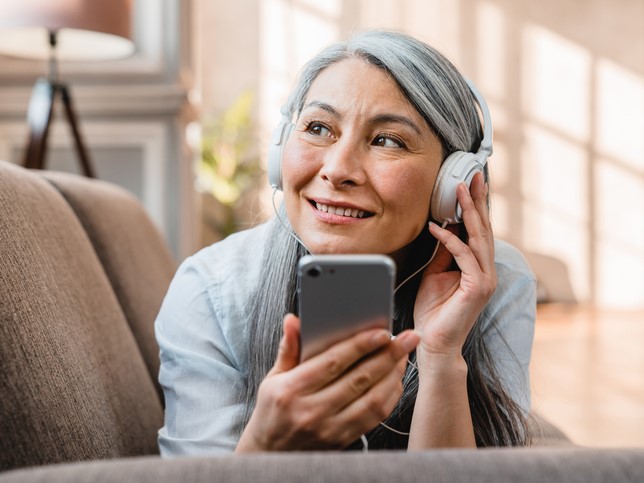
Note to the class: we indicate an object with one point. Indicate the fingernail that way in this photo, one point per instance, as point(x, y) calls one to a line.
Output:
point(380, 338)
point(284, 344)
point(408, 340)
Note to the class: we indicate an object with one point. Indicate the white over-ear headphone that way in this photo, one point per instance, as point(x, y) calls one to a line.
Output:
point(280, 136)
point(458, 167)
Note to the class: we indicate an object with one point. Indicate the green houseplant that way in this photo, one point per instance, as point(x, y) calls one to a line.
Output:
point(228, 169)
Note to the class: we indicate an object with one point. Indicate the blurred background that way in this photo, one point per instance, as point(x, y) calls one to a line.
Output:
point(184, 124)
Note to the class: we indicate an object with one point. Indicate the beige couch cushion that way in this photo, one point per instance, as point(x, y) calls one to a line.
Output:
point(73, 385)
point(133, 253)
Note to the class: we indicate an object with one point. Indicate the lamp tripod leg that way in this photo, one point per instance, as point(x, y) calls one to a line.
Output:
point(80, 146)
point(39, 116)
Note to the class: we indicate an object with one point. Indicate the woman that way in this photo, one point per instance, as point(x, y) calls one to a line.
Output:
point(373, 121)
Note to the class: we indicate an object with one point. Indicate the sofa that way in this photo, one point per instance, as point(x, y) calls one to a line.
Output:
point(83, 272)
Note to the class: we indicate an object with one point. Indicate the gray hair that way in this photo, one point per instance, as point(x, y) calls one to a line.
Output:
point(443, 98)
point(428, 80)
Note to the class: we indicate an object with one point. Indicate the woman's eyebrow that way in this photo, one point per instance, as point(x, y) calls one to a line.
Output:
point(394, 118)
point(322, 105)
point(378, 119)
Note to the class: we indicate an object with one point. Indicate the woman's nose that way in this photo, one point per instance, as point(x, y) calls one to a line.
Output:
point(343, 164)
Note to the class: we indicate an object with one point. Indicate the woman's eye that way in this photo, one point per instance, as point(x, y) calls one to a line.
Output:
point(318, 129)
point(387, 142)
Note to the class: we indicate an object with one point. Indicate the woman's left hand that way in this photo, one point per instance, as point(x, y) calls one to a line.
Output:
point(449, 302)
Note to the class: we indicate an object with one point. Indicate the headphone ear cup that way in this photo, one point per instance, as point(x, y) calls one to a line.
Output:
point(279, 138)
point(457, 168)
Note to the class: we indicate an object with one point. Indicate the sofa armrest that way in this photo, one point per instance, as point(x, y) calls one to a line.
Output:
point(487, 465)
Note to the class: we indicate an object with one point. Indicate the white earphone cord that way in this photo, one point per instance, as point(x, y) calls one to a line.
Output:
point(363, 438)
point(409, 361)
point(288, 229)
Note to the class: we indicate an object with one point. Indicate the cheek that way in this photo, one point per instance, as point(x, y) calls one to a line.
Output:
point(415, 213)
point(298, 166)
point(409, 194)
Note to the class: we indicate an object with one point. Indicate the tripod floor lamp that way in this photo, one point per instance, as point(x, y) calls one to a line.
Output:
point(62, 30)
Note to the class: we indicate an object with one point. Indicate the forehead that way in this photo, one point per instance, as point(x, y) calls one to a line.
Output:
point(356, 83)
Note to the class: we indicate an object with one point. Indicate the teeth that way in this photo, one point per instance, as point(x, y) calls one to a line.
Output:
point(336, 210)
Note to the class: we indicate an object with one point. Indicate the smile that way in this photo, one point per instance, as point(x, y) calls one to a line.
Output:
point(340, 210)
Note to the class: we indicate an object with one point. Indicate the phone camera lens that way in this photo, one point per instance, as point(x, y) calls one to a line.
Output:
point(314, 272)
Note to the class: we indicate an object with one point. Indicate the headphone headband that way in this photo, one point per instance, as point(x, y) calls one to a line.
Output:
point(461, 167)
point(486, 144)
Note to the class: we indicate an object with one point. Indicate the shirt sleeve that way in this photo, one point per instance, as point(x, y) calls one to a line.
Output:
point(199, 373)
point(510, 317)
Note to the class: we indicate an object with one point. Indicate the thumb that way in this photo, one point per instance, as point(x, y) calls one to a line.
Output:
point(288, 354)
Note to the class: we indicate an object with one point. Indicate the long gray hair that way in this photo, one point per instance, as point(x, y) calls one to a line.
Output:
point(442, 97)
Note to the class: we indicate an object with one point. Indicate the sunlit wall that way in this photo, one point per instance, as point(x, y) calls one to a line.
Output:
point(565, 84)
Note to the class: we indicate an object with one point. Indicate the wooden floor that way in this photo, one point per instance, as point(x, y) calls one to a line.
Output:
point(588, 374)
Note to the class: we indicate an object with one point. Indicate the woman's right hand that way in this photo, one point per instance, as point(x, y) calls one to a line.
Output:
point(331, 399)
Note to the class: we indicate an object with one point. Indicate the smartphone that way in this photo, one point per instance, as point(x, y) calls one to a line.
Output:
point(340, 295)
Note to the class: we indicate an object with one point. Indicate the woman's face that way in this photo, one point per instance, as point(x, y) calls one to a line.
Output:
point(359, 168)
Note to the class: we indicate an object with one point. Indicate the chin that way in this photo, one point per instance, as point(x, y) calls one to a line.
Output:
point(335, 248)
point(320, 246)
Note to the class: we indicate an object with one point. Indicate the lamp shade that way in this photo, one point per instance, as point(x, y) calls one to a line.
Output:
point(85, 29)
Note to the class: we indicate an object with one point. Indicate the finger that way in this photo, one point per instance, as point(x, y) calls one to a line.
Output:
point(443, 258)
point(476, 200)
point(479, 191)
point(372, 408)
point(370, 371)
point(288, 354)
point(481, 239)
point(471, 216)
point(324, 368)
point(461, 252)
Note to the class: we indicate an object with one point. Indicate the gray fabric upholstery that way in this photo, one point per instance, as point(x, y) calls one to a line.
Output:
point(538, 465)
point(73, 385)
point(133, 253)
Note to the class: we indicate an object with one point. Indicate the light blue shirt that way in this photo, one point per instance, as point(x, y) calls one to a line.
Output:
point(202, 331)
